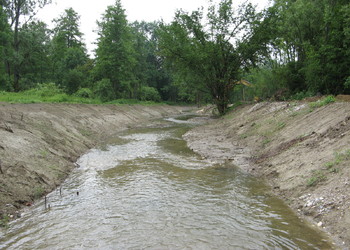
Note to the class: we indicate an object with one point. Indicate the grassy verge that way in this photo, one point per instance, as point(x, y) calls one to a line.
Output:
point(31, 96)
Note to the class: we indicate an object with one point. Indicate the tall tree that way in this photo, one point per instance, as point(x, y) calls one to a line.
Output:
point(20, 12)
point(68, 52)
point(215, 52)
point(115, 54)
point(67, 29)
point(34, 50)
point(5, 35)
point(150, 70)
point(310, 43)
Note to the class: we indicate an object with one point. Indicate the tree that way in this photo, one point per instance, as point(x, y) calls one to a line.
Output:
point(5, 35)
point(115, 54)
point(20, 12)
point(150, 68)
point(68, 52)
point(34, 49)
point(67, 29)
point(215, 52)
point(310, 44)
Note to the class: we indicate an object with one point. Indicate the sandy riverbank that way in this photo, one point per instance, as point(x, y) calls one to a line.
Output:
point(303, 153)
point(39, 143)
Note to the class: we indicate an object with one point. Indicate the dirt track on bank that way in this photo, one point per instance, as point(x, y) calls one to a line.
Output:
point(303, 154)
point(39, 143)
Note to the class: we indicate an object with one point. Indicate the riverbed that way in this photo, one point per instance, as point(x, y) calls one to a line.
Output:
point(146, 190)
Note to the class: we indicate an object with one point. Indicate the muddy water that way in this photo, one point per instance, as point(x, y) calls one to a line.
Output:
point(148, 191)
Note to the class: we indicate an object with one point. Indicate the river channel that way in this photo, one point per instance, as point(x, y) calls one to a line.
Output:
point(147, 190)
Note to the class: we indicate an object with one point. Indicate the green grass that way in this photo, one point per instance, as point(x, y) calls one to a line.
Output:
point(34, 97)
point(317, 177)
point(38, 192)
point(338, 159)
point(330, 167)
point(4, 220)
point(320, 103)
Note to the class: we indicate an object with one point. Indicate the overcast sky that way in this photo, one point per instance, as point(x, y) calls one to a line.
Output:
point(146, 10)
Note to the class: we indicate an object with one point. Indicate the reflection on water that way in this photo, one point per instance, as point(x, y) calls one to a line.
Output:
point(149, 191)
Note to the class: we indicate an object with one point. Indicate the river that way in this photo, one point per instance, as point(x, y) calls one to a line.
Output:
point(147, 190)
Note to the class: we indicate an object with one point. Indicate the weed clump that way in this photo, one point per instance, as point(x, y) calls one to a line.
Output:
point(320, 103)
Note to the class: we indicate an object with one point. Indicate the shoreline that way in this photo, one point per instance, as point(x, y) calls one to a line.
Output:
point(302, 154)
point(40, 143)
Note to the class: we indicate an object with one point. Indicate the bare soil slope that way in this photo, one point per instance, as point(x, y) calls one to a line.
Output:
point(39, 143)
point(303, 153)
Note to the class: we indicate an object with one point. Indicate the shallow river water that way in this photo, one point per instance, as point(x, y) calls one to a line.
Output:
point(147, 190)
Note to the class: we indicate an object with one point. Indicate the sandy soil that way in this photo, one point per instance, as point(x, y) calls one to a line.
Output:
point(39, 143)
point(303, 154)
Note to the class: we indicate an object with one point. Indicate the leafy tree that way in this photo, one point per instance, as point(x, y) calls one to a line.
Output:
point(34, 50)
point(5, 35)
point(67, 29)
point(115, 54)
point(20, 12)
point(214, 52)
point(68, 52)
point(150, 69)
point(310, 43)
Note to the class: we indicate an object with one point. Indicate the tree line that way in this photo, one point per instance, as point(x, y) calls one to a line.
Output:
point(294, 48)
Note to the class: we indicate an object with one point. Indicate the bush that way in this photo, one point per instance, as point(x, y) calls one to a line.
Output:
point(72, 80)
point(84, 93)
point(44, 90)
point(104, 90)
point(5, 83)
point(325, 101)
point(302, 95)
point(150, 94)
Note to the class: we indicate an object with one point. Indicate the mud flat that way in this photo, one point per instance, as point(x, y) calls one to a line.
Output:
point(302, 152)
point(39, 143)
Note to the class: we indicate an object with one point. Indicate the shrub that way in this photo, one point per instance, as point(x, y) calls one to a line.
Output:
point(104, 90)
point(84, 93)
point(325, 101)
point(150, 94)
point(44, 90)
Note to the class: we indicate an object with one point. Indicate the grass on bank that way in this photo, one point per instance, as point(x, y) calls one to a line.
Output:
point(50, 93)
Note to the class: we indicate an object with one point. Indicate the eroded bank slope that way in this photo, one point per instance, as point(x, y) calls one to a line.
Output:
point(39, 143)
point(303, 153)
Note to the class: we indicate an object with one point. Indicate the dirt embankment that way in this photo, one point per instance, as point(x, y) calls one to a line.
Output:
point(39, 143)
point(303, 153)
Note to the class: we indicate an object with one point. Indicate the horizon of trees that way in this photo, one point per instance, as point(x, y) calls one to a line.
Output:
point(295, 48)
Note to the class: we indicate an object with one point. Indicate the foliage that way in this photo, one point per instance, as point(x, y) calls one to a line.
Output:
point(44, 90)
point(214, 52)
point(44, 93)
point(115, 52)
point(4, 220)
point(38, 192)
point(84, 92)
point(291, 50)
point(16, 11)
point(102, 90)
point(320, 103)
point(338, 159)
point(149, 94)
point(318, 176)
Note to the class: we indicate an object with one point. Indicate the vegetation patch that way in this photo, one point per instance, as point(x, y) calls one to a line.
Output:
point(4, 220)
point(317, 177)
point(325, 101)
point(38, 192)
point(338, 159)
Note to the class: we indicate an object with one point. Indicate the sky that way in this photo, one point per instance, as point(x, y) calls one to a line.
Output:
point(136, 10)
